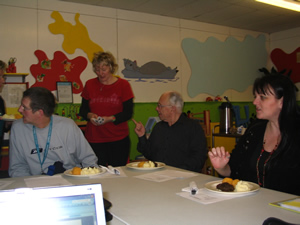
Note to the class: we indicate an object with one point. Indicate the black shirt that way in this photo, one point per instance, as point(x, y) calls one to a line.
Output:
point(181, 145)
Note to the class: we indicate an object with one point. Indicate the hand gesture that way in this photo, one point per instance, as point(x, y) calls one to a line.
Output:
point(139, 128)
point(219, 157)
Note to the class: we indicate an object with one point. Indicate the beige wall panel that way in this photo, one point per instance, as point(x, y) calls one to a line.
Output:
point(20, 3)
point(149, 42)
point(18, 36)
point(62, 6)
point(147, 18)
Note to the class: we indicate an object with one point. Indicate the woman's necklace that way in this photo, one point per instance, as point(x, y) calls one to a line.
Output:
point(262, 183)
point(108, 82)
point(101, 88)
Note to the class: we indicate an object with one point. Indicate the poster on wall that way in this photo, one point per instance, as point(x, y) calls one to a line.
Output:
point(64, 92)
point(12, 94)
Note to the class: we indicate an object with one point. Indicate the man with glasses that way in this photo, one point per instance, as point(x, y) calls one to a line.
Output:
point(43, 143)
point(176, 140)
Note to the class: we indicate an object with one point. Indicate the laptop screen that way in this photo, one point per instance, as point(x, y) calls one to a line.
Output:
point(64, 205)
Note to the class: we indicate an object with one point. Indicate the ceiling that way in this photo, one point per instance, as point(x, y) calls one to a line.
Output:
point(243, 14)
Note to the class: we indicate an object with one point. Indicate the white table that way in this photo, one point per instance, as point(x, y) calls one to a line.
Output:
point(142, 202)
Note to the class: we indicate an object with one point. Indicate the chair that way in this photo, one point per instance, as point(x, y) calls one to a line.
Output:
point(238, 120)
point(204, 120)
point(276, 221)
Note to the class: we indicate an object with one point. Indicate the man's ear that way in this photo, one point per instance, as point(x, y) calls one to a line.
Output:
point(40, 112)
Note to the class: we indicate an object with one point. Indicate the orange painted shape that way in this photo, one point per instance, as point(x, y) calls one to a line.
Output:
point(74, 36)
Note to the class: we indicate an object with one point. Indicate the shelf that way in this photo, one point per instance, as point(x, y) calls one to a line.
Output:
point(81, 123)
point(16, 74)
point(21, 75)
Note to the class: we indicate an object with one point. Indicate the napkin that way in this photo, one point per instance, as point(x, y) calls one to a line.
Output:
point(111, 170)
point(110, 174)
point(203, 196)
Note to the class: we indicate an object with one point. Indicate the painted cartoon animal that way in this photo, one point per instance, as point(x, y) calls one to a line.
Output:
point(150, 70)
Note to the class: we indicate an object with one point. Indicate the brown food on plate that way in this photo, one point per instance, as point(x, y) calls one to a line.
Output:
point(226, 187)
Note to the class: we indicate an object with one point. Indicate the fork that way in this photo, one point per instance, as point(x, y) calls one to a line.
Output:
point(111, 170)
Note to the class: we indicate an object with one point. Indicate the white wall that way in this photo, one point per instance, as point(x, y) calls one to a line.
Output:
point(137, 36)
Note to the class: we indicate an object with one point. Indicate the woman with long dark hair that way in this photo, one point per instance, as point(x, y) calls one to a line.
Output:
point(269, 152)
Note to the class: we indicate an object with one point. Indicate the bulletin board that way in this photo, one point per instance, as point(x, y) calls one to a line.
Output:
point(12, 94)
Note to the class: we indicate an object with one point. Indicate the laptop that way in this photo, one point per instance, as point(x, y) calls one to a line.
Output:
point(63, 205)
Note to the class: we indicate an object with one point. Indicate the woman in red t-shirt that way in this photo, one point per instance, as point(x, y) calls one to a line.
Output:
point(107, 103)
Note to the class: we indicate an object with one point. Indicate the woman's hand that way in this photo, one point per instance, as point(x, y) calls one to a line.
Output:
point(106, 119)
point(139, 128)
point(91, 116)
point(219, 159)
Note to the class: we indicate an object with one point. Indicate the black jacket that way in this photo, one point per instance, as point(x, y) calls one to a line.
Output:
point(282, 171)
point(181, 145)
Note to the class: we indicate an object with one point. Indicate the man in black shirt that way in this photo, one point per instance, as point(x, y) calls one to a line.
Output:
point(176, 140)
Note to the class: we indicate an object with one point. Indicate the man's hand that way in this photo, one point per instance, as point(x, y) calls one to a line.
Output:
point(139, 128)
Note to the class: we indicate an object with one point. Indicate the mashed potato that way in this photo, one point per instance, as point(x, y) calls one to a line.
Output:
point(90, 170)
point(242, 186)
point(146, 164)
point(149, 164)
point(7, 116)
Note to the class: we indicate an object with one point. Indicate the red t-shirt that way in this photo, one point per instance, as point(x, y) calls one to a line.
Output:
point(106, 100)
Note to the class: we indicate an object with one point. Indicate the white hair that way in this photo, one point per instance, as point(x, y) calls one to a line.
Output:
point(175, 99)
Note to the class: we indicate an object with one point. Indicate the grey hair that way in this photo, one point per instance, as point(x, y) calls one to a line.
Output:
point(175, 99)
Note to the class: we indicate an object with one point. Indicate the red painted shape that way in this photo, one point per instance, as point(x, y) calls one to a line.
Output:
point(288, 62)
point(47, 72)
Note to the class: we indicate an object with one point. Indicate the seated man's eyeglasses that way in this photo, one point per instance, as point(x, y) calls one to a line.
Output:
point(25, 108)
point(160, 105)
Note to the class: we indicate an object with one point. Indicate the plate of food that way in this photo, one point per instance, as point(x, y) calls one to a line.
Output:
point(227, 186)
point(9, 117)
point(146, 165)
point(84, 172)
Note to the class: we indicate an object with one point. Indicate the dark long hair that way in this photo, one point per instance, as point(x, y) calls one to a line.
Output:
point(281, 86)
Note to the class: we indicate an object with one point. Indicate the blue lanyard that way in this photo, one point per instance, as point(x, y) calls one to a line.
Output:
point(47, 144)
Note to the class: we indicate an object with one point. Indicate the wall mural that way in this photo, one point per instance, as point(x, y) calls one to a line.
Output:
point(217, 66)
point(47, 72)
point(75, 36)
point(150, 70)
point(288, 62)
point(234, 69)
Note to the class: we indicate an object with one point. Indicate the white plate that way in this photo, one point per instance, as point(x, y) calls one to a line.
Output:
point(68, 173)
point(134, 165)
point(212, 186)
